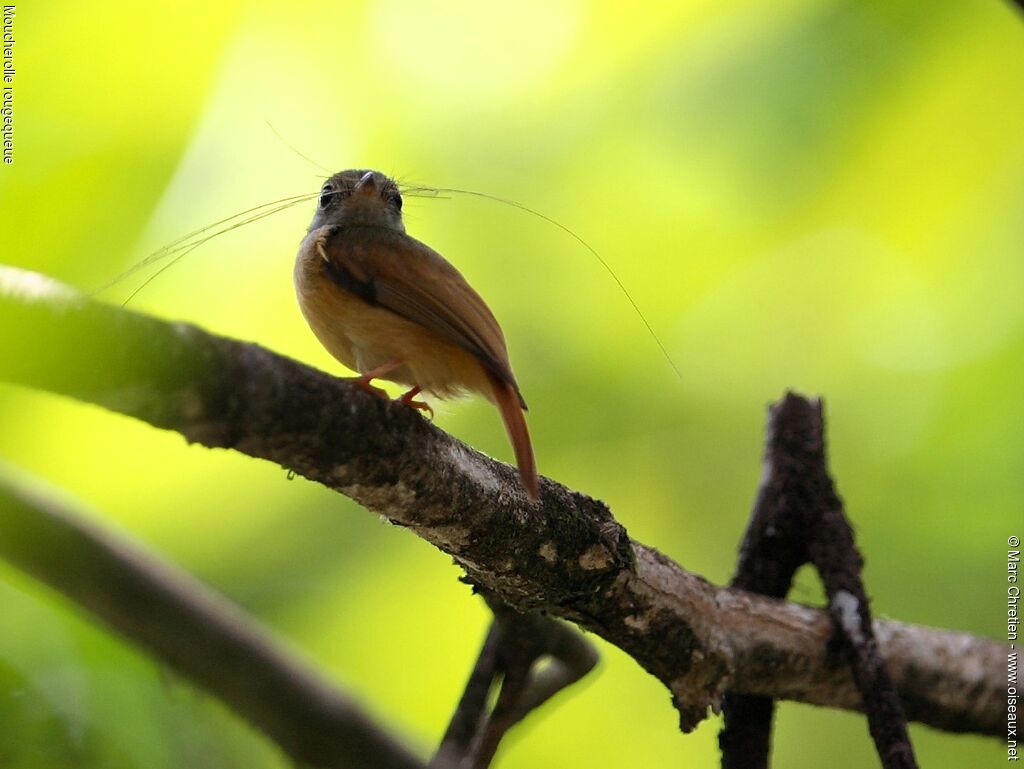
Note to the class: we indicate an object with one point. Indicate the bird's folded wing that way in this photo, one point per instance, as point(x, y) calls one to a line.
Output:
point(389, 269)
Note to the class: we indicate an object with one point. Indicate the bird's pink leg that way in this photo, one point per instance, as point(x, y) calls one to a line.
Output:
point(364, 380)
point(409, 399)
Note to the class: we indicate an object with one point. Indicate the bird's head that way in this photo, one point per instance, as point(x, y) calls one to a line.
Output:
point(359, 197)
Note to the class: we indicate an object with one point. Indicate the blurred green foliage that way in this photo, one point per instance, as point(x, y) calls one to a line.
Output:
point(819, 195)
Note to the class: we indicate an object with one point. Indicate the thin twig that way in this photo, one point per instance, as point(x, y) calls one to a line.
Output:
point(799, 518)
point(514, 646)
point(772, 550)
point(571, 657)
point(471, 711)
point(515, 674)
point(835, 556)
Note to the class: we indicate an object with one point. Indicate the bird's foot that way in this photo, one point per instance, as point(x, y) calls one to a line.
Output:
point(365, 380)
point(364, 383)
point(409, 399)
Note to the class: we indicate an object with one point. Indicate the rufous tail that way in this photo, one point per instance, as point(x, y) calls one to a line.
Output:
point(509, 404)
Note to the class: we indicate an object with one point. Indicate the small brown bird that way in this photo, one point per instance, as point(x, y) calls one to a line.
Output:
point(392, 308)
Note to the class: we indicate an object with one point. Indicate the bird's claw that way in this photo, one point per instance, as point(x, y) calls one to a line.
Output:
point(365, 385)
point(409, 399)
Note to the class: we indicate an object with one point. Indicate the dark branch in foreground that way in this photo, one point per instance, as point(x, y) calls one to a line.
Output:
point(798, 518)
point(197, 632)
point(566, 556)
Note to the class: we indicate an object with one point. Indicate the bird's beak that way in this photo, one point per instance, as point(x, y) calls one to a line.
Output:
point(367, 184)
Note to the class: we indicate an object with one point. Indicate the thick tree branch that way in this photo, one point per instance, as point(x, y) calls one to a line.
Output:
point(566, 556)
point(197, 632)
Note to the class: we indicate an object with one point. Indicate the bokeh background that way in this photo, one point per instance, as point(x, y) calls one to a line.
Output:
point(825, 196)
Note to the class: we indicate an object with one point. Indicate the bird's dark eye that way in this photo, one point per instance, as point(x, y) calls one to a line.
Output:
point(327, 194)
point(395, 198)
